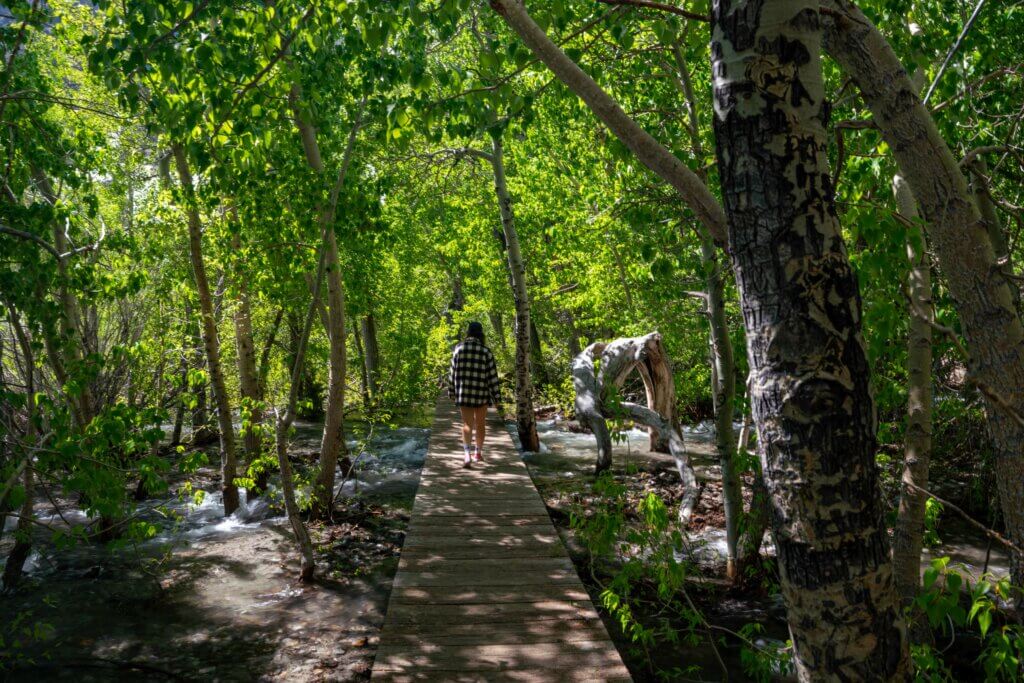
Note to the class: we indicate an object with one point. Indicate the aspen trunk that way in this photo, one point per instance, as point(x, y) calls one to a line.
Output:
point(248, 379)
point(723, 365)
point(334, 435)
point(810, 389)
point(371, 354)
point(526, 423)
point(498, 323)
point(724, 399)
point(960, 239)
point(284, 424)
point(211, 342)
point(71, 323)
point(909, 529)
point(334, 428)
point(989, 215)
point(758, 517)
point(23, 532)
point(179, 414)
point(364, 382)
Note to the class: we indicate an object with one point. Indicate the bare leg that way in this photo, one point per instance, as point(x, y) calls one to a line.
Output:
point(468, 419)
point(480, 418)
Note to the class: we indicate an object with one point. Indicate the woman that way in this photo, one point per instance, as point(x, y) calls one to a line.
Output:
point(473, 385)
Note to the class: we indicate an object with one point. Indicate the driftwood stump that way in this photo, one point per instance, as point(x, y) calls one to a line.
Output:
point(616, 360)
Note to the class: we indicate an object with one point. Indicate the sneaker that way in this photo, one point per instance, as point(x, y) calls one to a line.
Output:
point(478, 455)
point(467, 461)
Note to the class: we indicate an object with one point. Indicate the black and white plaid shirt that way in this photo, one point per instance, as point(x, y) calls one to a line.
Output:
point(473, 377)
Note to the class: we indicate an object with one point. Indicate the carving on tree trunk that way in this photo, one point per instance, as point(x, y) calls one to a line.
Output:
point(617, 359)
point(809, 389)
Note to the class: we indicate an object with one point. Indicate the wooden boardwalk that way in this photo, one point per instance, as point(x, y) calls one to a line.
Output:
point(485, 590)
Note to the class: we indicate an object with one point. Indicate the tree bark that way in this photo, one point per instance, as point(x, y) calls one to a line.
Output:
point(498, 323)
point(248, 379)
point(989, 215)
point(334, 422)
point(287, 418)
point(23, 533)
point(211, 342)
point(71, 323)
point(526, 423)
point(371, 354)
point(908, 531)
point(619, 358)
point(960, 239)
point(333, 441)
point(810, 390)
point(364, 381)
point(723, 365)
point(724, 399)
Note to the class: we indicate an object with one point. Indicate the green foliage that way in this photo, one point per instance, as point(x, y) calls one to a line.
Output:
point(949, 600)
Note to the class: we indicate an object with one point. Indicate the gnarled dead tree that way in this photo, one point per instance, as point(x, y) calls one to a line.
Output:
point(617, 359)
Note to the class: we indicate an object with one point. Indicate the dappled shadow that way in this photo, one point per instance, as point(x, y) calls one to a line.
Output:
point(484, 583)
point(230, 610)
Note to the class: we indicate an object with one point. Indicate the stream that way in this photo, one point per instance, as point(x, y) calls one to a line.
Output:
point(215, 598)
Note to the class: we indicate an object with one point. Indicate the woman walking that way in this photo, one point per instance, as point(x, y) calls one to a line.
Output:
point(473, 385)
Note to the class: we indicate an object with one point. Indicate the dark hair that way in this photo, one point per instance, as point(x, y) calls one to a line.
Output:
point(476, 331)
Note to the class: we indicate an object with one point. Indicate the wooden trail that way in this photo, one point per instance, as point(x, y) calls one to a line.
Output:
point(485, 590)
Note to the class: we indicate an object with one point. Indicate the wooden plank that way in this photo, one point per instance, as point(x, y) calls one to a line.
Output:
point(543, 656)
point(462, 613)
point(581, 675)
point(484, 589)
point(483, 567)
point(507, 633)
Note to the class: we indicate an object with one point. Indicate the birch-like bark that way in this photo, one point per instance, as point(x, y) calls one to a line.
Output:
point(248, 379)
point(333, 440)
point(724, 398)
point(959, 238)
point(334, 421)
point(908, 531)
point(810, 390)
point(617, 360)
point(526, 423)
point(211, 342)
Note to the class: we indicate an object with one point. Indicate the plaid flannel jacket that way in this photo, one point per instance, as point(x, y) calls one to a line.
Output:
point(473, 376)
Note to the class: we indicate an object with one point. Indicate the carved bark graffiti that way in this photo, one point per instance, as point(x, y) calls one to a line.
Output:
point(809, 391)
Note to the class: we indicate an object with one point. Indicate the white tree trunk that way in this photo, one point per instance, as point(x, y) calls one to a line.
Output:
point(211, 342)
point(526, 423)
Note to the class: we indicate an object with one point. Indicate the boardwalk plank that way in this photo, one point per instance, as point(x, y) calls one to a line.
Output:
point(485, 590)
